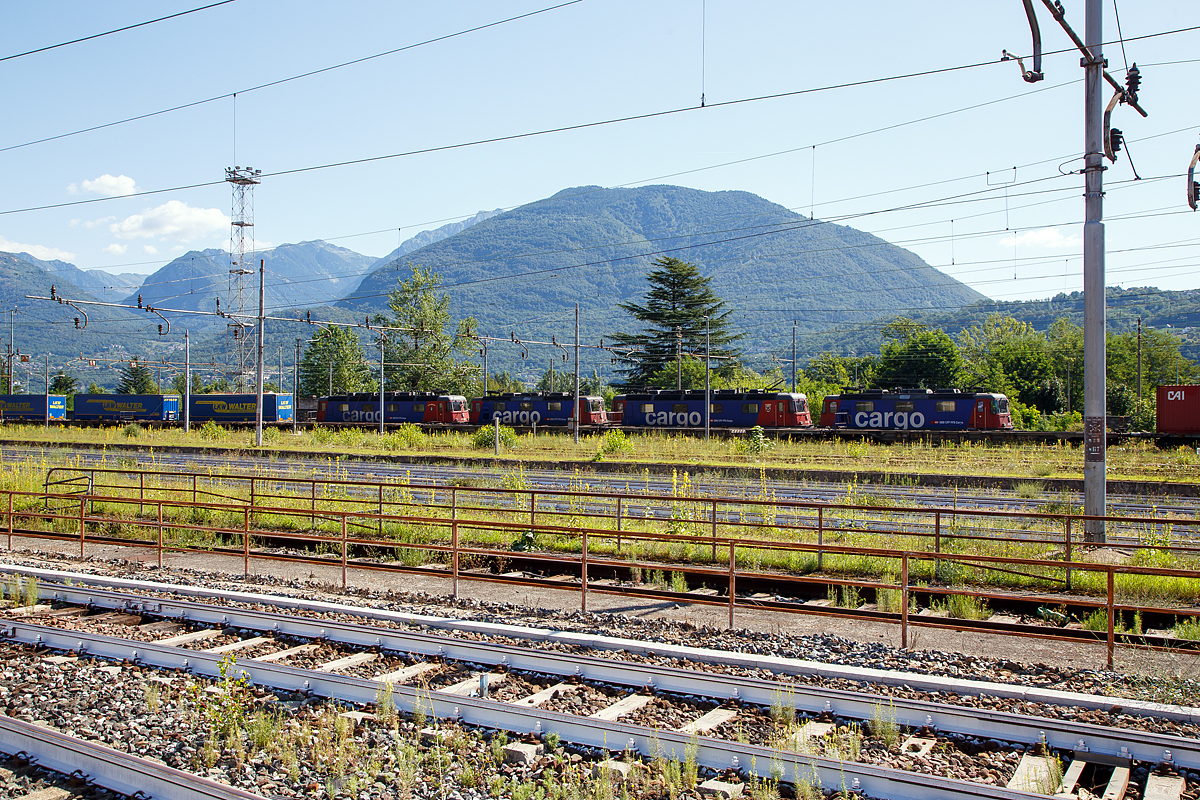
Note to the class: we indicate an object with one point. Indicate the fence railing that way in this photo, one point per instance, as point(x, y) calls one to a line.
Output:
point(685, 543)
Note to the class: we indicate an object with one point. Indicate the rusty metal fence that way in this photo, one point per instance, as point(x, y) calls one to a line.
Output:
point(706, 545)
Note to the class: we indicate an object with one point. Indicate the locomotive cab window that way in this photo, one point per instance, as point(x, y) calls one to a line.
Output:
point(458, 405)
point(831, 406)
point(418, 408)
point(343, 406)
point(619, 405)
point(995, 406)
point(391, 407)
point(945, 405)
point(593, 405)
point(1003, 405)
point(478, 405)
point(679, 408)
point(647, 408)
point(903, 406)
point(867, 406)
point(800, 406)
point(715, 408)
point(749, 408)
point(554, 406)
point(498, 407)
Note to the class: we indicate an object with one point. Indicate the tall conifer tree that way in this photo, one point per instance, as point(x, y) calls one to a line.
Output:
point(673, 317)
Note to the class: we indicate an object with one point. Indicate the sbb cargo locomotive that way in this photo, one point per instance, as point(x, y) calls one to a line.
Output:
point(418, 407)
point(729, 409)
point(916, 409)
point(553, 408)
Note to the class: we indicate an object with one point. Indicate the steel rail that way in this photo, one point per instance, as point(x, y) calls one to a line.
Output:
point(119, 772)
point(1063, 734)
point(58, 579)
point(788, 766)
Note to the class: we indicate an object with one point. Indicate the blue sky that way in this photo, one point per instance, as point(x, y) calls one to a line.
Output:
point(585, 62)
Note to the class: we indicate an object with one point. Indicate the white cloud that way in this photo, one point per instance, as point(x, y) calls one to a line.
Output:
point(116, 249)
point(96, 223)
point(1049, 238)
point(173, 220)
point(35, 250)
point(107, 185)
point(149, 249)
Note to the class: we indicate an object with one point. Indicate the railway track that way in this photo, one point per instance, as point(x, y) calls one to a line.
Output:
point(44, 764)
point(743, 718)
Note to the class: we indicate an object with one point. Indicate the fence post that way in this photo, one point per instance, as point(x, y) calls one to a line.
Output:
point(10, 520)
point(904, 601)
point(253, 492)
point(141, 492)
point(820, 536)
point(1068, 552)
point(619, 498)
point(381, 510)
point(583, 575)
point(937, 532)
point(160, 535)
point(732, 581)
point(312, 516)
point(454, 537)
point(1111, 616)
point(246, 542)
point(194, 489)
point(532, 511)
point(82, 506)
point(343, 551)
point(714, 531)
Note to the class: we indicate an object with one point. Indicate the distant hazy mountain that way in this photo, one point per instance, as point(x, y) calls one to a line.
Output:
point(298, 276)
point(522, 271)
point(109, 287)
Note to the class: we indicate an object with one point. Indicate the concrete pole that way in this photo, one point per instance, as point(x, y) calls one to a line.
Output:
point(793, 358)
point(577, 414)
point(1139, 359)
point(296, 391)
point(187, 382)
point(485, 367)
point(382, 408)
point(262, 298)
point(707, 372)
point(1095, 467)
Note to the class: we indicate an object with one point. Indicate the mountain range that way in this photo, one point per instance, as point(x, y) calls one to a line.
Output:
point(521, 272)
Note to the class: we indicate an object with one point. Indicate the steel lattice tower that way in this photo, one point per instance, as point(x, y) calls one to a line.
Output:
point(241, 263)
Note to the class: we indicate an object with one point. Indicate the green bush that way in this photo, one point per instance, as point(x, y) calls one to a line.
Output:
point(756, 443)
point(408, 436)
point(211, 431)
point(485, 437)
point(615, 442)
point(133, 430)
point(271, 434)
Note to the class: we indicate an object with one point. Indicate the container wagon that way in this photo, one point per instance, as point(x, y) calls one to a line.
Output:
point(1177, 411)
point(417, 407)
point(916, 409)
point(240, 408)
point(127, 407)
point(730, 408)
point(551, 408)
point(32, 407)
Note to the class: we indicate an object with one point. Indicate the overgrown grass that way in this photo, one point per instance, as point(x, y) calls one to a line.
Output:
point(1131, 460)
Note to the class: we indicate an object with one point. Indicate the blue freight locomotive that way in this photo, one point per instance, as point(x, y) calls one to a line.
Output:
point(552, 408)
point(730, 408)
point(418, 407)
point(126, 407)
point(916, 409)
